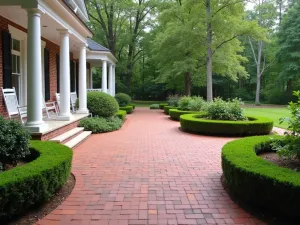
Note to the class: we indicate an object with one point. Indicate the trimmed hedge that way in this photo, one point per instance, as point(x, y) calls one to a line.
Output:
point(121, 114)
point(167, 108)
point(258, 182)
point(251, 127)
point(123, 99)
point(102, 104)
point(128, 108)
point(176, 113)
point(133, 105)
point(154, 106)
point(162, 105)
point(35, 182)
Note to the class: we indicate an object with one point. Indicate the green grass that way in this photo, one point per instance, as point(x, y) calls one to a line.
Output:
point(273, 113)
point(140, 103)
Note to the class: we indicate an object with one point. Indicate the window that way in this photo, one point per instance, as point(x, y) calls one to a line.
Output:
point(16, 62)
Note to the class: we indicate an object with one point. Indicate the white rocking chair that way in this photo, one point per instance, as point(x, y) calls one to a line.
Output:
point(73, 99)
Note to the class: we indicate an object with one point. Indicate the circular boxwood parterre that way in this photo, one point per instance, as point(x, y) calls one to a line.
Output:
point(128, 108)
point(162, 105)
point(258, 182)
point(176, 113)
point(252, 126)
point(35, 182)
point(167, 108)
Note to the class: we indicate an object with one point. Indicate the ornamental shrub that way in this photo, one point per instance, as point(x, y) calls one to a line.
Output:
point(14, 142)
point(123, 99)
point(102, 104)
point(100, 124)
point(173, 100)
point(121, 114)
point(184, 103)
point(222, 110)
point(128, 108)
point(154, 106)
point(194, 103)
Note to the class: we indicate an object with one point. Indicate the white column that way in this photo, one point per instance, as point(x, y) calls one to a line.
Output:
point(114, 81)
point(64, 71)
point(35, 121)
point(91, 77)
point(110, 79)
point(104, 76)
point(82, 81)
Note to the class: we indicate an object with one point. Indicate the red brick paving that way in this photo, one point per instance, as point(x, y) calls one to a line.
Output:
point(148, 172)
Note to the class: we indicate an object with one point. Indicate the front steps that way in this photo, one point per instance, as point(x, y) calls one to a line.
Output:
point(73, 137)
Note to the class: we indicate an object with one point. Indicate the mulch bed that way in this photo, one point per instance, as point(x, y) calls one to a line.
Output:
point(37, 213)
point(273, 157)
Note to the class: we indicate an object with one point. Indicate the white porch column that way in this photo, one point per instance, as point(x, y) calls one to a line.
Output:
point(110, 79)
point(104, 76)
point(82, 81)
point(114, 81)
point(64, 107)
point(35, 121)
point(91, 77)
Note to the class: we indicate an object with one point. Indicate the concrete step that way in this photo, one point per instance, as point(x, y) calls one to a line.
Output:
point(63, 137)
point(78, 139)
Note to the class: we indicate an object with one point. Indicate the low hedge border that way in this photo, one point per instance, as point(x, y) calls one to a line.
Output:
point(162, 105)
point(128, 108)
point(133, 105)
point(176, 113)
point(258, 182)
point(251, 127)
point(36, 181)
point(167, 108)
point(121, 114)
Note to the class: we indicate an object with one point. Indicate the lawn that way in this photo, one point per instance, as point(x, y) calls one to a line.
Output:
point(273, 113)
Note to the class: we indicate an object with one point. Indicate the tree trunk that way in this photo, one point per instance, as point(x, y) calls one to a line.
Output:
point(209, 54)
point(289, 87)
point(187, 83)
point(258, 73)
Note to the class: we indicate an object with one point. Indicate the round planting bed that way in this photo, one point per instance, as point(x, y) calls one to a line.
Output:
point(128, 108)
point(253, 126)
point(35, 182)
point(162, 105)
point(167, 108)
point(258, 182)
point(176, 113)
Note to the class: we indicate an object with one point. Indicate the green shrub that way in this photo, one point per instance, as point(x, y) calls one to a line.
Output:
point(100, 124)
point(250, 127)
point(133, 105)
point(176, 113)
point(14, 142)
point(128, 108)
point(121, 114)
point(102, 104)
point(184, 103)
point(222, 110)
point(123, 99)
point(259, 182)
point(167, 108)
point(35, 182)
point(162, 105)
point(154, 106)
point(194, 103)
point(173, 100)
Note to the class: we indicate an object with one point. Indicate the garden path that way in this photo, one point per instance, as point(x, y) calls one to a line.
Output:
point(149, 172)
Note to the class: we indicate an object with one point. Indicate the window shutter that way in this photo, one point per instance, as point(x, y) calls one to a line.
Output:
point(47, 74)
point(72, 74)
point(57, 73)
point(77, 79)
point(6, 58)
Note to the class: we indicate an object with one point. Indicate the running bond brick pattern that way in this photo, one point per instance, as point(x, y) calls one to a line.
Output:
point(148, 172)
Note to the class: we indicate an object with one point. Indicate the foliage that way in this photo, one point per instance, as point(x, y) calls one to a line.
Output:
point(128, 109)
point(102, 104)
point(167, 108)
point(121, 114)
point(14, 141)
point(290, 145)
point(256, 181)
point(173, 100)
point(225, 110)
point(123, 99)
point(36, 182)
point(162, 105)
point(176, 113)
point(194, 103)
point(101, 125)
point(200, 124)
point(154, 106)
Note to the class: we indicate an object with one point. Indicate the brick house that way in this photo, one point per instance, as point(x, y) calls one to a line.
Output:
point(46, 48)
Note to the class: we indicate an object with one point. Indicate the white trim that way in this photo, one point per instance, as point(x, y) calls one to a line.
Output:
point(16, 33)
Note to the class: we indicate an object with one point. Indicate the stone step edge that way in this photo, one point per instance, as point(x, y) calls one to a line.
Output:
point(63, 137)
point(78, 139)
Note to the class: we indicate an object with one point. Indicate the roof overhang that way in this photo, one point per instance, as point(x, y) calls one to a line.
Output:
point(96, 57)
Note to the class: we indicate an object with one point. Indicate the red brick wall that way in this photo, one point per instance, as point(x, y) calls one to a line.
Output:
point(53, 50)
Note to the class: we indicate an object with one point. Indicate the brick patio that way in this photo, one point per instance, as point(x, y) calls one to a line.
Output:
point(149, 172)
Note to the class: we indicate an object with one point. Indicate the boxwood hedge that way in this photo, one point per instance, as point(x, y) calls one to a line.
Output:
point(176, 113)
point(162, 105)
point(121, 114)
point(128, 108)
point(251, 127)
point(35, 182)
point(258, 182)
point(167, 108)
